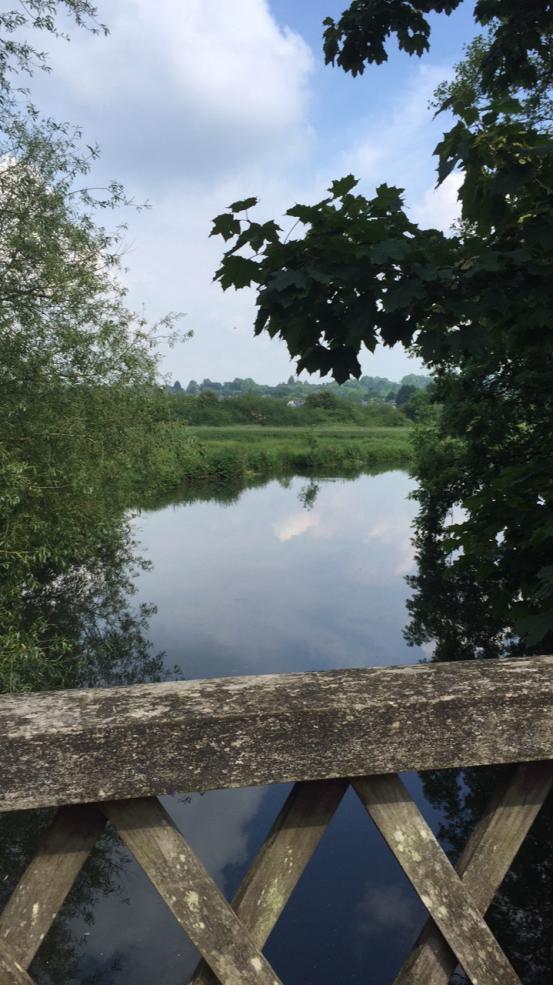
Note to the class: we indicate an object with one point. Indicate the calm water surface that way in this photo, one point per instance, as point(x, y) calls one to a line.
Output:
point(291, 576)
point(274, 583)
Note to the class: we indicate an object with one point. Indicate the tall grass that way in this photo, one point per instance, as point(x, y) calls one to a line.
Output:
point(182, 454)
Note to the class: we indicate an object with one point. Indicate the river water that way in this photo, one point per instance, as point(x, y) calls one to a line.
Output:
point(291, 575)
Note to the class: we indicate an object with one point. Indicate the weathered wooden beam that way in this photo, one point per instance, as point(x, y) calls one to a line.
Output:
point(37, 898)
point(11, 972)
point(279, 864)
point(400, 822)
point(94, 745)
point(483, 865)
point(190, 892)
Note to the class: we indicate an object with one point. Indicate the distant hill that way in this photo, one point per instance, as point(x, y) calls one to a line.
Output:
point(366, 389)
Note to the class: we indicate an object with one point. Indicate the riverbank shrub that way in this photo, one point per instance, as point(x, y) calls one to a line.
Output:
point(185, 454)
point(249, 408)
point(77, 369)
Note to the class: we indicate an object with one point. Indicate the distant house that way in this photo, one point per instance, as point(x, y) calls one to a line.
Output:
point(296, 402)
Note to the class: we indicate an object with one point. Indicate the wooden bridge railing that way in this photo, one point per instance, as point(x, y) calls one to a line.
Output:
point(108, 754)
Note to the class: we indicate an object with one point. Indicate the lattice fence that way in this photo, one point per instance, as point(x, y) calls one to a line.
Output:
point(231, 936)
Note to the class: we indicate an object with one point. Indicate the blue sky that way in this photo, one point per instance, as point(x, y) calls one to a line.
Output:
point(198, 102)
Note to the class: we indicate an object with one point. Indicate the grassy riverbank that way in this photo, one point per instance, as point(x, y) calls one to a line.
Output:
point(235, 452)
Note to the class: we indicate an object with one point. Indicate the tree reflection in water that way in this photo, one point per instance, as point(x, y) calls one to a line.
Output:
point(521, 915)
point(452, 612)
point(92, 608)
point(91, 635)
point(59, 959)
point(308, 494)
point(105, 643)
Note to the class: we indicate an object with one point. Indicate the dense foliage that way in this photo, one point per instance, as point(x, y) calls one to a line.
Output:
point(476, 305)
point(243, 452)
point(76, 365)
point(319, 408)
point(209, 437)
point(520, 33)
point(367, 388)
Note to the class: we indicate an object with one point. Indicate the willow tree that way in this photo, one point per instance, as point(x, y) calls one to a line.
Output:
point(75, 366)
point(476, 305)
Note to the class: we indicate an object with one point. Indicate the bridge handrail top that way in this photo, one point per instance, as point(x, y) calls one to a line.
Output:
point(70, 747)
point(372, 684)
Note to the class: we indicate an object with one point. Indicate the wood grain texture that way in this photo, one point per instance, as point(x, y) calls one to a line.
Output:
point(483, 865)
point(190, 893)
point(37, 898)
point(96, 745)
point(279, 864)
point(426, 866)
point(11, 972)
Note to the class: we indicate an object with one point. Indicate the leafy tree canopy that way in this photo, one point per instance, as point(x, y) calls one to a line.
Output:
point(475, 304)
point(17, 27)
point(76, 365)
point(360, 35)
point(367, 388)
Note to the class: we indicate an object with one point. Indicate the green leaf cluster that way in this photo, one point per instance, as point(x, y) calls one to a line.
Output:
point(342, 284)
point(77, 368)
point(520, 35)
point(476, 305)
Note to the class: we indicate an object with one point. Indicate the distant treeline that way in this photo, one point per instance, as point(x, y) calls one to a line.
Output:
point(318, 408)
point(367, 388)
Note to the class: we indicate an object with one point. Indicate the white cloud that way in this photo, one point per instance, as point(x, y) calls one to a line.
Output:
point(440, 207)
point(196, 103)
point(385, 909)
point(428, 650)
point(397, 538)
point(295, 525)
point(395, 144)
point(398, 148)
point(217, 825)
point(189, 88)
point(171, 262)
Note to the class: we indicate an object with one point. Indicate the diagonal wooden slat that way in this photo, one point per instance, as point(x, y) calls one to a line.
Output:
point(11, 972)
point(190, 892)
point(429, 870)
point(483, 865)
point(281, 860)
point(43, 887)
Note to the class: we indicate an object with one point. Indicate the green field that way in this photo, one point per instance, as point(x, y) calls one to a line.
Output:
point(284, 435)
point(238, 451)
